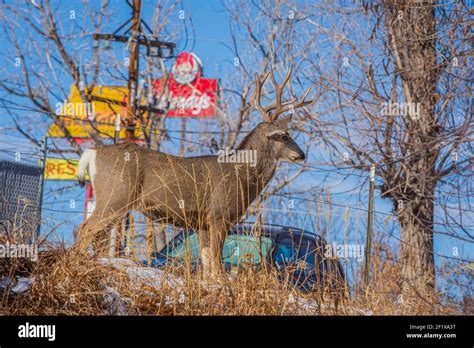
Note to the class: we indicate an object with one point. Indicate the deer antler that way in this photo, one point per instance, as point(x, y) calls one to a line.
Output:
point(278, 106)
point(258, 95)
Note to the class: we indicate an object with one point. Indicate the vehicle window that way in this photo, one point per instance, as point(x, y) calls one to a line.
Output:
point(185, 243)
point(290, 250)
point(237, 249)
point(244, 248)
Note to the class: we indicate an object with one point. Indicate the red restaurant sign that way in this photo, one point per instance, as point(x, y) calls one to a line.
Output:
point(186, 93)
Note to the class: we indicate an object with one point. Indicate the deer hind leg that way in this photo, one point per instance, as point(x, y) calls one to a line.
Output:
point(100, 239)
point(156, 238)
point(83, 237)
point(95, 230)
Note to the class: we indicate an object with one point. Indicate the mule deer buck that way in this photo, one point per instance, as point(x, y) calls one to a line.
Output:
point(203, 193)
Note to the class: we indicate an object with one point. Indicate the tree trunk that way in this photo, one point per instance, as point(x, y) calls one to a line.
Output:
point(416, 223)
point(411, 32)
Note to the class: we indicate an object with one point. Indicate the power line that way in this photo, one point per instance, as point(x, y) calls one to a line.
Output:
point(164, 130)
point(357, 208)
point(331, 203)
point(64, 211)
point(78, 119)
point(21, 153)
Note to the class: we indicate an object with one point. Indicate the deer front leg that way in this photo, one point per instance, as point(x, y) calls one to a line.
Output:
point(217, 221)
point(211, 249)
point(159, 237)
point(204, 243)
point(217, 234)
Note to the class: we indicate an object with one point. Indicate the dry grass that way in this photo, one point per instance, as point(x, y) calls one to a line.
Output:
point(71, 284)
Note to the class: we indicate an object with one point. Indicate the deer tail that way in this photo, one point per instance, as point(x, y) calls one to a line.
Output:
point(87, 162)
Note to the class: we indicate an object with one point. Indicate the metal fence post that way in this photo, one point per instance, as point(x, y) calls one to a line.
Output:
point(369, 225)
point(44, 150)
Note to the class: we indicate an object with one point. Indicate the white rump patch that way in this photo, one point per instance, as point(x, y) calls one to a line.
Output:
point(87, 162)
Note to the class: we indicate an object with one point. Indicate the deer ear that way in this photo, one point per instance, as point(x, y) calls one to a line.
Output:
point(282, 123)
point(275, 132)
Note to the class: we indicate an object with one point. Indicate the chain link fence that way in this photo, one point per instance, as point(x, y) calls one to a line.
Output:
point(20, 200)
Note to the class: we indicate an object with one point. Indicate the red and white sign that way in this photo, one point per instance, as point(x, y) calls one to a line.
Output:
point(186, 93)
point(186, 68)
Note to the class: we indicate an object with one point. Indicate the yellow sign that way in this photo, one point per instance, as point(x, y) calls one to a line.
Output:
point(81, 118)
point(60, 169)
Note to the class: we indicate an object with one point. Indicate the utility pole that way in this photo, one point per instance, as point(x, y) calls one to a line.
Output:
point(370, 218)
point(133, 72)
point(136, 38)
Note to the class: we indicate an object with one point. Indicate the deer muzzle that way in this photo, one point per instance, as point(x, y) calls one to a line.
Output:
point(297, 155)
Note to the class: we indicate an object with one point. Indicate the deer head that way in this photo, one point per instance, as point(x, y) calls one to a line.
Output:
point(274, 130)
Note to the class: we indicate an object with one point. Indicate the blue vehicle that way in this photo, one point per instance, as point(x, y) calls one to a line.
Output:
point(297, 255)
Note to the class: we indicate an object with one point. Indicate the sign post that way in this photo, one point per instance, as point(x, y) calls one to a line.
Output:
point(89, 204)
point(117, 129)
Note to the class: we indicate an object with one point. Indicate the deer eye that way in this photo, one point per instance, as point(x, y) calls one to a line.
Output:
point(285, 137)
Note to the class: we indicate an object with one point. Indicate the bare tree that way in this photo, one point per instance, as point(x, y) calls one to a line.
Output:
point(51, 48)
point(393, 91)
point(414, 138)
